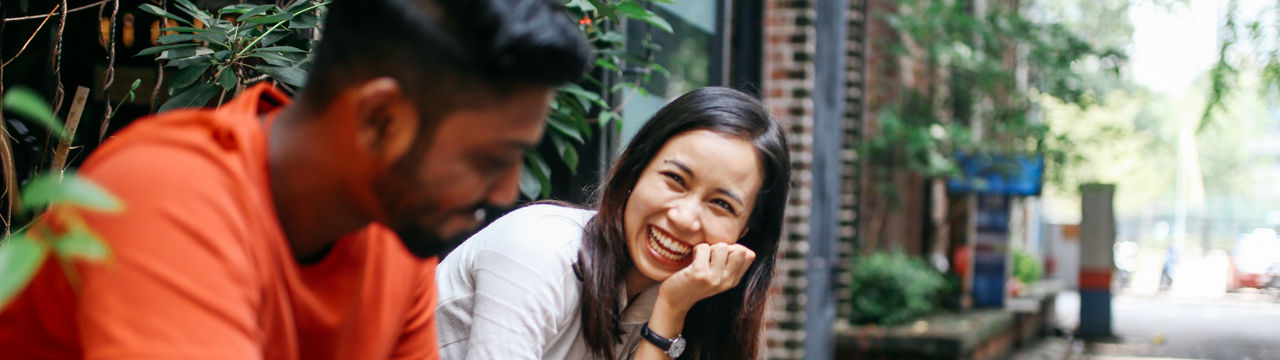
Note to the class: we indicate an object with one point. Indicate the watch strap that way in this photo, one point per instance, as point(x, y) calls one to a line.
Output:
point(657, 340)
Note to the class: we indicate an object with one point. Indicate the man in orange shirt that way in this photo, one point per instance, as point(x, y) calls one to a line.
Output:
point(271, 229)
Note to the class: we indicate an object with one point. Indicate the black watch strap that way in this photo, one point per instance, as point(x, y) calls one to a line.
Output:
point(661, 342)
point(673, 347)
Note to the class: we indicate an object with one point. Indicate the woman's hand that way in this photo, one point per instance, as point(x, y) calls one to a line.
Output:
point(715, 269)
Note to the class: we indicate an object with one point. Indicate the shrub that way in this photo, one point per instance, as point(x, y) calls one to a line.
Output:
point(1026, 268)
point(893, 288)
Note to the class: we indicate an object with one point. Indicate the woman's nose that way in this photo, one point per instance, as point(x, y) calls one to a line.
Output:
point(684, 215)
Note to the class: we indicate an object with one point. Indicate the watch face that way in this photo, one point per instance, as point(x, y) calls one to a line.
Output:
point(677, 348)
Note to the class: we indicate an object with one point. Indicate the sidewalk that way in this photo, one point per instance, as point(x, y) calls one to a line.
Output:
point(1051, 348)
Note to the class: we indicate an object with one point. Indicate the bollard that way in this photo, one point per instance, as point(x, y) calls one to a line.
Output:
point(1097, 237)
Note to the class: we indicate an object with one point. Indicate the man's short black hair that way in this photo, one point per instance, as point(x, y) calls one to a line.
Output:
point(443, 51)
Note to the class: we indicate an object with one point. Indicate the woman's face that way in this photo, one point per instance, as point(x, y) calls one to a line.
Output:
point(700, 188)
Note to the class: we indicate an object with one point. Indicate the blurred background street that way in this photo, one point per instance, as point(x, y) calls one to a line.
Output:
point(1194, 319)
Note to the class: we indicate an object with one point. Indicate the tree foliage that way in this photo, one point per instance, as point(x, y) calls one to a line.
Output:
point(987, 66)
point(1247, 41)
point(580, 110)
point(216, 52)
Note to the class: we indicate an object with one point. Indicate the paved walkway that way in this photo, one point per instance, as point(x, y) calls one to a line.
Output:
point(1173, 326)
point(1051, 348)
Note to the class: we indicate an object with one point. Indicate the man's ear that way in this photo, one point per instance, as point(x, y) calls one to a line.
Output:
point(386, 119)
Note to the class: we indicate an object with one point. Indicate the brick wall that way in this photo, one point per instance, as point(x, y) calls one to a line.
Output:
point(789, 46)
point(788, 69)
point(854, 88)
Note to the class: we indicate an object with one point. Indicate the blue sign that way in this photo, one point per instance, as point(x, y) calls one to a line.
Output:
point(998, 174)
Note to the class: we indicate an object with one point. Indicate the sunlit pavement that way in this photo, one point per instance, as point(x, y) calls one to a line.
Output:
point(1195, 319)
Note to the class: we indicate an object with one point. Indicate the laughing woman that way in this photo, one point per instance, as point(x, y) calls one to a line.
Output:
point(674, 262)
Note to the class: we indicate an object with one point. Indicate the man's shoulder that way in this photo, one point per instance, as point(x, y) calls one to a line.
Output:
point(180, 152)
point(204, 134)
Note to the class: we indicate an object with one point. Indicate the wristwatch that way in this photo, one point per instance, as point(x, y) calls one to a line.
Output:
point(673, 347)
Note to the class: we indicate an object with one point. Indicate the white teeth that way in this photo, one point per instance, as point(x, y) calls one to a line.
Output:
point(666, 247)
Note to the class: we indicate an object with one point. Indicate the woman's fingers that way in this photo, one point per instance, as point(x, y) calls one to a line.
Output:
point(719, 255)
point(740, 259)
point(701, 256)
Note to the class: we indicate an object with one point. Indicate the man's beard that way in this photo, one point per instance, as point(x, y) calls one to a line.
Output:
point(424, 243)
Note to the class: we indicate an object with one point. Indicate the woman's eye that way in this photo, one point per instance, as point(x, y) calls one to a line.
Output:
point(724, 204)
point(674, 177)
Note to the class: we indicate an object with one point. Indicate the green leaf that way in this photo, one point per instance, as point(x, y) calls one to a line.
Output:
point(288, 75)
point(578, 90)
point(47, 189)
point(273, 59)
point(540, 171)
point(529, 184)
point(558, 125)
point(583, 5)
point(20, 258)
point(273, 37)
point(568, 153)
point(187, 61)
point(228, 79)
point(195, 96)
point(605, 118)
point(297, 6)
point(222, 55)
point(283, 49)
point(584, 126)
point(273, 19)
point(81, 244)
point(24, 102)
point(658, 21)
point(214, 38)
point(632, 9)
point(235, 9)
point(613, 37)
point(605, 9)
point(584, 94)
point(635, 11)
point(188, 75)
point(304, 21)
point(184, 52)
point(157, 11)
point(254, 12)
point(195, 12)
point(176, 38)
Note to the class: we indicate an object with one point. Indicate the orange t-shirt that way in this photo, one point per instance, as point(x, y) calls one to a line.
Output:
point(200, 268)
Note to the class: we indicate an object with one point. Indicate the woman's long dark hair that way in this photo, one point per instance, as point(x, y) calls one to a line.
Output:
point(724, 326)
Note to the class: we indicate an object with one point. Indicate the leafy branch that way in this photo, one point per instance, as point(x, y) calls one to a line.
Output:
point(214, 54)
point(578, 112)
point(23, 252)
